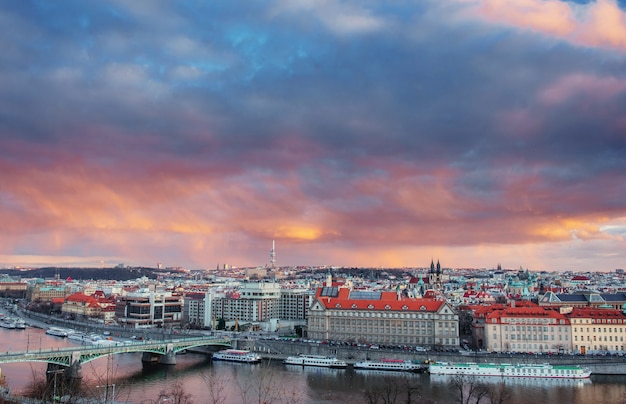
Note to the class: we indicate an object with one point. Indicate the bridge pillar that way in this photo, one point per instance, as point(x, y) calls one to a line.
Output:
point(170, 356)
point(75, 370)
point(149, 357)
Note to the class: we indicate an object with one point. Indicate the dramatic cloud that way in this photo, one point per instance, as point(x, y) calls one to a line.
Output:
point(352, 133)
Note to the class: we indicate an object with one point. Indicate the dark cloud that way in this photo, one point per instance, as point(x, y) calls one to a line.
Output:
point(333, 124)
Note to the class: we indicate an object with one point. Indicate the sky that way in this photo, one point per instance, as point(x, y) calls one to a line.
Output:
point(352, 132)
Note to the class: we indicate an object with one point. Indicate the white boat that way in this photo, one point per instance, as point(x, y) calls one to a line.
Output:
point(8, 323)
point(78, 336)
point(57, 332)
point(20, 324)
point(398, 365)
point(316, 360)
point(237, 355)
point(541, 370)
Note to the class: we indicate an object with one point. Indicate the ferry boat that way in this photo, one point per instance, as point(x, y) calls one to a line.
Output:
point(389, 364)
point(316, 360)
point(237, 355)
point(57, 332)
point(543, 370)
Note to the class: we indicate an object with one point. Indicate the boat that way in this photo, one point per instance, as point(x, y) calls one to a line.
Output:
point(20, 324)
point(389, 364)
point(316, 360)
point(78, 336)
point(8, 322)
point(237, 355)
point(57, 332)
point(541, 370)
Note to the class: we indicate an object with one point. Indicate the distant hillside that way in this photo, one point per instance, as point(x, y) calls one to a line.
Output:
point(120, 274)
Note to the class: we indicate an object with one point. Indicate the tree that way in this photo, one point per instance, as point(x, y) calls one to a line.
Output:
point(176, 394)
point(468, 389)
point(221, 323)
point(395, 390)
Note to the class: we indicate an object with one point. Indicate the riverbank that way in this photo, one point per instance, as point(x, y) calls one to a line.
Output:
point(278, 349)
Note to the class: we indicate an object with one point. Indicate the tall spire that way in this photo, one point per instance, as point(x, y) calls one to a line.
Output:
point(273, 255)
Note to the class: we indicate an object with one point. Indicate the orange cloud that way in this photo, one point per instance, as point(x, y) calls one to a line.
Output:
point(598, 24)
point(553, 17)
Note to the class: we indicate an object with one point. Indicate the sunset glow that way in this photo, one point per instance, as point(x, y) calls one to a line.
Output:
point(476, 132)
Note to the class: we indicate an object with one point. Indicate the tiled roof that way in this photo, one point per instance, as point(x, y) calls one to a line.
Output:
point(81, 297)
point(525, 312)
point(591, 312)
point(387, 301)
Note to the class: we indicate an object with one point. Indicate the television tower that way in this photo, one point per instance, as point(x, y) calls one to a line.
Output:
point(272, 255)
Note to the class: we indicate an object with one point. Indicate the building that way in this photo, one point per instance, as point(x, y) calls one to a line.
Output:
point(294, 303)
point(10, 287)
point(254, 302)
point(42, 291)
point(378, 317)
point(597, 330)
point(527, 329)
point(197, 310)
point(146, 309)
point(583, 299)
point(80, 306)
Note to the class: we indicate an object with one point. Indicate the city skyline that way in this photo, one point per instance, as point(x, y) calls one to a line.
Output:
point(365, 134)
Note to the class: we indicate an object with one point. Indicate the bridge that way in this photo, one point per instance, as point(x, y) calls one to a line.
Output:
point(71, 359)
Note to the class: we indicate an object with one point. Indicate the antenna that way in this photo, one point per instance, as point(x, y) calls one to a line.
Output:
point(272, 255)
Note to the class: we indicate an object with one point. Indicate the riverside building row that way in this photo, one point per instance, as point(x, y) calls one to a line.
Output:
point(581, 330)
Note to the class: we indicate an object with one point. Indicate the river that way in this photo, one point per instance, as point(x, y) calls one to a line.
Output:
point(204, 381)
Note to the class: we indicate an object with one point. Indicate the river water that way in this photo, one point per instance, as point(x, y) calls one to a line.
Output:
point(203, 381)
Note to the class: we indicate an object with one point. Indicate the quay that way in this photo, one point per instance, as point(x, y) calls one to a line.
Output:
point(272, 349)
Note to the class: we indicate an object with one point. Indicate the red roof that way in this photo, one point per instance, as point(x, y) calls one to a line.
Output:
point(388, 301)
point(80, 297)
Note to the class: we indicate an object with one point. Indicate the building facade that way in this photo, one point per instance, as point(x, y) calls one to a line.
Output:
point(387, 318)
point(255, 302)
point(527, 329)
point(597, 330)
point(150, 309)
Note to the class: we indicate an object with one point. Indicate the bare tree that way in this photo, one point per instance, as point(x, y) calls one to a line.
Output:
point(216, 385)
point(176, 394)
point(395, 390)
point(468, 388)
point(260, 388)
point(499, 394)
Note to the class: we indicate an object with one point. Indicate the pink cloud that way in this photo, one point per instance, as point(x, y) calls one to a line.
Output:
point(597, 24)
point(551, 17)
point(606, 26)
point(582, 85)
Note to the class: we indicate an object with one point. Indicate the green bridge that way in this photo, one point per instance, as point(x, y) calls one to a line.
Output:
point(71, 359)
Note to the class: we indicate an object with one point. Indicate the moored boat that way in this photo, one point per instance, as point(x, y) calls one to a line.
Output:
point(20, 324)
point(78, 336)
point(399, 365)
point(57, 332)
point(316, 360)
point(8, 322)
point(542, 370)
point(237, 355)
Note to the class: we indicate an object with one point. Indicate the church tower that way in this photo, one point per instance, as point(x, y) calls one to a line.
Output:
point(435, 275)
